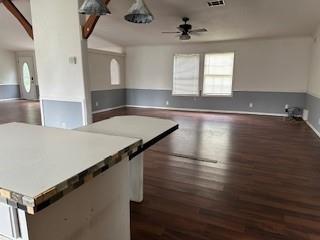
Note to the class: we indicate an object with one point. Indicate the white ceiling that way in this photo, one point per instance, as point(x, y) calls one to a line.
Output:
point(239, 19)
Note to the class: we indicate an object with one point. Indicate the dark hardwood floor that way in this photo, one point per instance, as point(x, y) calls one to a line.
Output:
point(265, 184)
point(20, 111)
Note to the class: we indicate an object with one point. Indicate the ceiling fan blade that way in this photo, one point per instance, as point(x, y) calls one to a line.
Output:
point(198, 30)
point(170, 32)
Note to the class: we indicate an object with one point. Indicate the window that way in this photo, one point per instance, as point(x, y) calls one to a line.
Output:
point(115, 72)
point(26, 77)
point(218, 74)
point(186, 74)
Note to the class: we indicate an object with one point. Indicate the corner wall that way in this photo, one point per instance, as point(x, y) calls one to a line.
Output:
point(9, 85)
point(270, 73)
point(104, 95)
point(313, 95)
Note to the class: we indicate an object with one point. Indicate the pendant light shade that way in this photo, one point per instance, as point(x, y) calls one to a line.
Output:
point(94, 7)
point(139, 13)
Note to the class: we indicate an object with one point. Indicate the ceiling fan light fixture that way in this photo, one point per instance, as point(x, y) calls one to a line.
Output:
point(139, 13)
point(94, 7)
point(185, 36)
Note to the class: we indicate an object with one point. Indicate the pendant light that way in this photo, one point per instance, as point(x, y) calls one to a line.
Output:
point(94, 7)
point(139, 13)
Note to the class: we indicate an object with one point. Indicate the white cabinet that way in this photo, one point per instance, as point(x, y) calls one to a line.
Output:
point(9, 223)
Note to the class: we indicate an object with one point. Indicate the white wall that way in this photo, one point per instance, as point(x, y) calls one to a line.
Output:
point(56, 39)
point(99, 70)
point(8, 70)
point(314, 83)
point(276, 65)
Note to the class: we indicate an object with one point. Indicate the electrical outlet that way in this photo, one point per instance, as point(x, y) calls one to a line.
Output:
point(97, 104)
point(286, 107)
point(251, 105)
point(167, 103)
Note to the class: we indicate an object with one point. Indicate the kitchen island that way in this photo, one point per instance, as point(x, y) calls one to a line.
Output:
point(63, 184)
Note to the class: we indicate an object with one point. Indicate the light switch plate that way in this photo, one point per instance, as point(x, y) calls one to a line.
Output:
point(73, 60)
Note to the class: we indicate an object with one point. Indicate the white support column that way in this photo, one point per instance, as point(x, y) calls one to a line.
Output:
point(136, 178)
point(61, 58)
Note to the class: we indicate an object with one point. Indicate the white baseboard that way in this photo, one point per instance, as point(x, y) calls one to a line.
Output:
point(313, 128)
point(210, 111)
point(195, 110)
point(108, 109)
point(9, 99)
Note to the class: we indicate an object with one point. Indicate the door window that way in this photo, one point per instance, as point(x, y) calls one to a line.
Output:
point(26, 77)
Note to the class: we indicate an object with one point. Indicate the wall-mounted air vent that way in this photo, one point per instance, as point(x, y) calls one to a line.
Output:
point(216, 3)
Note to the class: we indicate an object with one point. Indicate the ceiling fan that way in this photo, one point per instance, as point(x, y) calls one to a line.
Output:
point(185, 30)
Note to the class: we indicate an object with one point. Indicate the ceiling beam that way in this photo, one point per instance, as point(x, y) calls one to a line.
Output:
point(90, 24)
point(18, 15)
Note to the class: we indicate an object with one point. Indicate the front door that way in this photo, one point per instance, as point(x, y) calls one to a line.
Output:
point(27, 78)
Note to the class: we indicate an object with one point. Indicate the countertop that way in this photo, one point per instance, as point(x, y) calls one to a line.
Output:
point(40, 165)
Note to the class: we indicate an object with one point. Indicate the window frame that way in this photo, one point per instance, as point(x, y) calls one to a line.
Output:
point(232, 79)
point(198, 94)
point(118, 69)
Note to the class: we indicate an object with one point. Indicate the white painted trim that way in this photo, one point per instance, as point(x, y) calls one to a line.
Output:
point(108, 109)
point(233, 91)
point(61, 99)
point(42, 113)
point(195, 110)
point(84, 113)
point(210, 111)
point(9, 99)
point(9, 84)
point(313, 128)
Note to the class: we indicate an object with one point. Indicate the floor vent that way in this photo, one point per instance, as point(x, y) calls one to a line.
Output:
point(216, 3)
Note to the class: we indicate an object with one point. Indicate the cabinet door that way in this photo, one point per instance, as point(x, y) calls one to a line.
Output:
point(9, 225)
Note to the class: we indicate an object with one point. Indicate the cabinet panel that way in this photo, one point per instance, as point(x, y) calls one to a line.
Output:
point(9, 225)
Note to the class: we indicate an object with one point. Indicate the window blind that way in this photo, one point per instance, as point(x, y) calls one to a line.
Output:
point(218, 74)
point(186, 74)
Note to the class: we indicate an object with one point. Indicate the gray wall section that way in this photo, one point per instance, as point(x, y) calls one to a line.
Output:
point(62, 114)
point(313, 105)
point(108, 99)
point(264, 102)
point(9, 91)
